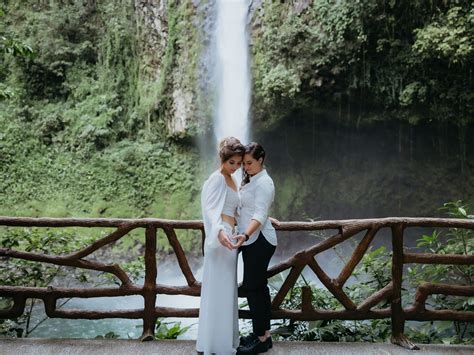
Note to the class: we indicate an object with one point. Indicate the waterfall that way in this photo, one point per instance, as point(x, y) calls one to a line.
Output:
point(232, 72)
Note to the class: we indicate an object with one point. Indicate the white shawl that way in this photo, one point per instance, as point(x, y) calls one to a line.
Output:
point(212, 202)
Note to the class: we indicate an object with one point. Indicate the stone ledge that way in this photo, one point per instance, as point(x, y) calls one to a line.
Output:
point(185, 347)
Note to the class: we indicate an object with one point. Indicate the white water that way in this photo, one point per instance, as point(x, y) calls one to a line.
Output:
point(232, 71)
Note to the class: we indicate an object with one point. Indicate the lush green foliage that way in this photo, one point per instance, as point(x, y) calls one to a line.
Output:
point(19, 272)
point(76, 139)
point(79, 86)
point(410, 57)
point(135, 172)
point(373, 273)
point(164, 331)
point(9, 47)
point(83, 120)
point(168, 330)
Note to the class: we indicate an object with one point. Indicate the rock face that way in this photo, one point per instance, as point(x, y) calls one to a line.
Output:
point(152, 22)
point(182, 112)
point(172, 36)
point(175, 46)
point(305, 54)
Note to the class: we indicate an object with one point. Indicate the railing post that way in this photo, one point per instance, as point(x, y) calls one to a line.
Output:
point(149, 289)
point(398, 317)
point(306, 257)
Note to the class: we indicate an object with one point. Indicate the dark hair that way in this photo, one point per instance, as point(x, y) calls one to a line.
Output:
point(230, 146)
point(257, 152)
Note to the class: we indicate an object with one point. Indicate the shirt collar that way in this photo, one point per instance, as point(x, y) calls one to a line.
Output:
point(258, 175)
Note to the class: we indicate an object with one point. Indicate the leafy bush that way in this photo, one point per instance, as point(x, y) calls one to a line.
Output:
point(372, 274)
point(411, 58)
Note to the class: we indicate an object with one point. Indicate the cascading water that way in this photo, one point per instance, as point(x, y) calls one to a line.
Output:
point(232, 72)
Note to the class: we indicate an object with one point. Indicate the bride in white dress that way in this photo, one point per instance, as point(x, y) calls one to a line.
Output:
point(218, 315)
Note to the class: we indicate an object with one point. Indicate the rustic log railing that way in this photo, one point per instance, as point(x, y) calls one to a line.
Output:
point(149, 290)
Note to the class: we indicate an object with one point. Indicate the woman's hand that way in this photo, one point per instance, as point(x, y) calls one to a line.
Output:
point(274, 221)
point(224, 240)
point(240, 240)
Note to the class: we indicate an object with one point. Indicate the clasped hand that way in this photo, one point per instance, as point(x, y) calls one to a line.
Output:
point(225, 241)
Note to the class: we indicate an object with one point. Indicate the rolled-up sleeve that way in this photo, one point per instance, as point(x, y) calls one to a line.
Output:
point(264, 194)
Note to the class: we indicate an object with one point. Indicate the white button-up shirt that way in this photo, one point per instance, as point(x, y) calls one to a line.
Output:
point(256, 198)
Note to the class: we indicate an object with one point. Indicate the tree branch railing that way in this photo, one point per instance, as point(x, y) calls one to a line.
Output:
point(305, 258)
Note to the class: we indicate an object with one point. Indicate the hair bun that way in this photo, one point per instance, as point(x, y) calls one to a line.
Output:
point(229, 147)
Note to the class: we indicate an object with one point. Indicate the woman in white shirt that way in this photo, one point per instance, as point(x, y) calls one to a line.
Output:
point(220, 198)
point(256, 195)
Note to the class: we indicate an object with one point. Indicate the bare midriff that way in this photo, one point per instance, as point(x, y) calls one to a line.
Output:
point(228, 219)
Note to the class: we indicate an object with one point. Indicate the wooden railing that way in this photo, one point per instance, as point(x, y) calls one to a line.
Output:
point(149, 290)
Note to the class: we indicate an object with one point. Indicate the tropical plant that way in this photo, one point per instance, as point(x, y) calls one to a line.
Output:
point(372, 274)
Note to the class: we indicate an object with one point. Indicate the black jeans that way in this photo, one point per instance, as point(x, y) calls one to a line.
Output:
point(256, 257)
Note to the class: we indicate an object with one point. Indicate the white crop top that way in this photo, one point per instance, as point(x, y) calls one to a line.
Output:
point(232, 201)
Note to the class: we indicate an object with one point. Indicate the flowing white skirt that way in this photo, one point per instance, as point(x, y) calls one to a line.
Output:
point(218, 329)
